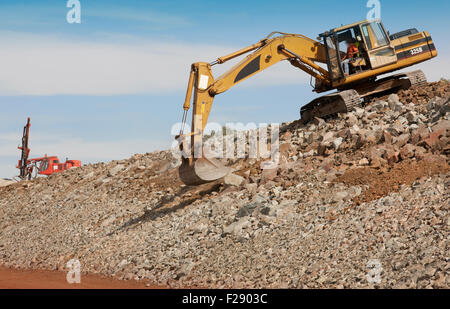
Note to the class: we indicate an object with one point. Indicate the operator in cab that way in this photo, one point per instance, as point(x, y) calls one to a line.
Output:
point(352, 52)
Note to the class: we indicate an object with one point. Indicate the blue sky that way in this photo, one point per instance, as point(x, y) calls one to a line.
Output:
point(114, 85)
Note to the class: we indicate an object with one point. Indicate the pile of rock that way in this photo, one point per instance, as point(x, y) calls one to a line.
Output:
point(296, 225)
point(386, 128)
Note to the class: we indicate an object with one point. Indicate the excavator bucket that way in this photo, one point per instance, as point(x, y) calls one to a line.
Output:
point(202, 171)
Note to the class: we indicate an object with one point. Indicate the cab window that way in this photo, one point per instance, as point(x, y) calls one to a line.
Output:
point(375, 35)
point(44, 165)
point(367, 36)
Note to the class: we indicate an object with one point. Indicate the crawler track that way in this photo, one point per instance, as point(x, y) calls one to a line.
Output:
point(332, 104)
point(345, 101)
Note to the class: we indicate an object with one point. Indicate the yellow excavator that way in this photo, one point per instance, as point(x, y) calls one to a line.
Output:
point(378, 53)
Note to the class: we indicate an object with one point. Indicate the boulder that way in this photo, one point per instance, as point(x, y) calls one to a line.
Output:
point(115, 170)
point(363, 162)
point(433, 140)
point(337, 142)
point(233, 180)
point(351, 119)
point(402, 140)
point(411, 117)
point(247, 210)
point(379, 105)
point(392, 156)
point(394, 103)
point(269, 174)
point(5, 182)
point(328, 137)
point(236, 228)
point(387, 137)
point(407, 152)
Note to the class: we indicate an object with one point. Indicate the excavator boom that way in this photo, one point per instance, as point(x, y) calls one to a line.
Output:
point(301, 51)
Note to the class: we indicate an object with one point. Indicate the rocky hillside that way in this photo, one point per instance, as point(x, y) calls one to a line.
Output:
point(358, 195)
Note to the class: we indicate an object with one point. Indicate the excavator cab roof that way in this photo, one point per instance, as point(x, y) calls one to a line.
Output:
point(339, 29)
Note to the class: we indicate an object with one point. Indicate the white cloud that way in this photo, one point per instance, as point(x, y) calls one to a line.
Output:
point(49, 65)
point(77, 147)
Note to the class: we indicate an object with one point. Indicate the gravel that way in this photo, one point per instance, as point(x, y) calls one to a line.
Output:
point(340, 212)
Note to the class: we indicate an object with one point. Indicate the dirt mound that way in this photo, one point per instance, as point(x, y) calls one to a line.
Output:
point(382, 183)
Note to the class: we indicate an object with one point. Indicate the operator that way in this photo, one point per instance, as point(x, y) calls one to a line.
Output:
point(352, 52)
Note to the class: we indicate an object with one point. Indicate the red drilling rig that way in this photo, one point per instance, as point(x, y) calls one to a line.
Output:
point(41, 166)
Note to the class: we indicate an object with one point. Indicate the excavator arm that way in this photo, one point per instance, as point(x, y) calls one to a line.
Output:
point(302, 52)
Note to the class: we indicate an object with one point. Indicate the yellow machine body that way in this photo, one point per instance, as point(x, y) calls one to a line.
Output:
point(379, 53)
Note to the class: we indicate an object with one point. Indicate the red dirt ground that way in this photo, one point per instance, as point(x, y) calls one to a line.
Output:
point(42, 279)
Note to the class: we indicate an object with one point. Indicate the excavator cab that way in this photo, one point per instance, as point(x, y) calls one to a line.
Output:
point(335, 42)
point(371, 39)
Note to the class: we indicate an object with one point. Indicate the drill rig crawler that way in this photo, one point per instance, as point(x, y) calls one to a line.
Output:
point(378, 54)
